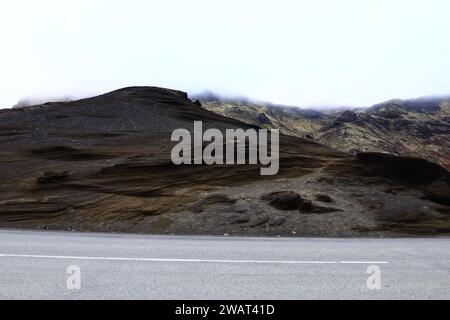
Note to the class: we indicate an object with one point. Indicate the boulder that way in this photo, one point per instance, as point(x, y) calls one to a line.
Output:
point(284, 200)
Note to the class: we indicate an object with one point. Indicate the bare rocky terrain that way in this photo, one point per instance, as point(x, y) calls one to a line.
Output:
point(103, 164)
point(417, 128)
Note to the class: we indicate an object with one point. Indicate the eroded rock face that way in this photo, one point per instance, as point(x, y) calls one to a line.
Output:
point(439, 191)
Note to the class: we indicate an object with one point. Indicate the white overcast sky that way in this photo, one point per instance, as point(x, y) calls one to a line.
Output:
point(351, 52)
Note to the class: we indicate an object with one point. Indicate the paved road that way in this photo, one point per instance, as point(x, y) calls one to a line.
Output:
point(33, 265)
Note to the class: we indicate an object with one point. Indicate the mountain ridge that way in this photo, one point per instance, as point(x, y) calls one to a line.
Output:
point(411, 127)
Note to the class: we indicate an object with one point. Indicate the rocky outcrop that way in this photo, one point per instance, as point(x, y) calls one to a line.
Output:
point(348, 116)
point(290, 200)
point(284, 200)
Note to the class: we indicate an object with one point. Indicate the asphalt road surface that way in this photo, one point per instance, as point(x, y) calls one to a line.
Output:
point(58, 265)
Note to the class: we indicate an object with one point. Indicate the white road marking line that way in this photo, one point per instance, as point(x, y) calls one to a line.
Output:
point(364, 262)
point(185, 260)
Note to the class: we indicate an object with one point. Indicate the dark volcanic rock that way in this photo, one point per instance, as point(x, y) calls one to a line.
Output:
point(439, 191)
point(67, 154)
point(324, 198)
point(52, 177)
point(263, 119)
point(283, 200)
point(424, 132)
point(308, 207)
point(348, 116)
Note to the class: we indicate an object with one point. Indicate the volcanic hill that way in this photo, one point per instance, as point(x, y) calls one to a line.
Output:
point(103, 164)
